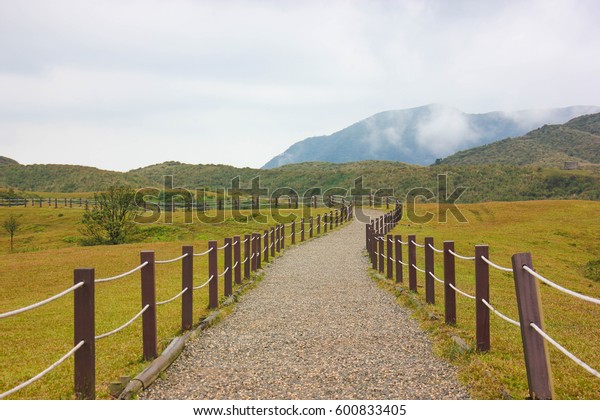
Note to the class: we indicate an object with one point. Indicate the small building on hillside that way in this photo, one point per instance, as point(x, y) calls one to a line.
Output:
point(571, 165)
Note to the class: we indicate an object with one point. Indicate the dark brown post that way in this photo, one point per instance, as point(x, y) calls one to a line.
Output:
point(398, 259)
point(70, 202)
point(381, 265)
point(337, 218)
point(247, 254)
point(325, 223)
point(273, 242)
point(260, 250)
point(267, 245)
point(412, 262)
point(390, 263)
point(429, 270)
point(213, 275)
point(310, 224)
point(449, 279)
point(374, 250)
point(302, 230)
point(294, 232)
point(537, 362)
point(277, 239)
point(84, 330)
point(227, 264)
point(149, 298)
point(237, 259)
point(318, 224)
point(187, 280)
point(482, 291)
point(331, 220)
point(55, 203)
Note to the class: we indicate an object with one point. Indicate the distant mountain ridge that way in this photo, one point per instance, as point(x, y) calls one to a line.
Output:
point(548, 146)
point(421, 135)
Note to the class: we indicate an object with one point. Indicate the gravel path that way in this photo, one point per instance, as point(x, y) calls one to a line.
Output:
point(316, 327)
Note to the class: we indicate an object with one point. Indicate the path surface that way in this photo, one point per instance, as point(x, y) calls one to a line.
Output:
point(316, 327)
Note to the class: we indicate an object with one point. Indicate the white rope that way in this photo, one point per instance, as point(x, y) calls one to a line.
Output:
point(496, 266)
point(173, 298)
point(266, 234)
point(246, 259)
point(417, 268)
point(441, 251)
point(435, 278)
point(224, 246)
point(43, 302)
point(562, 289)
point(565, 351)
point(403, 263)
point(207, 281)
point(44, 372)
point(403, 243)
point(224, 272)
point(235, 243)
point(500, 314)
point(244, 241)
point(203, 253)
point(460, 256)
point(419, 245)
point(391, 259)
point(461, 292)
point(145, 263)
point(235, 265)
point(125, 325)
point(290, 235)
point(173, 260)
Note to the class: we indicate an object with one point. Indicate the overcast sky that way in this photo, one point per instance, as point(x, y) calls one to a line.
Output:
point(122, 84)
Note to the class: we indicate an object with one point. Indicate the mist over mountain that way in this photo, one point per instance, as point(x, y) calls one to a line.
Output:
point(421, 135)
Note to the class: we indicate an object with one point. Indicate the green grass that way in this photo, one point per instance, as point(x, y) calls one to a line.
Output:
point(42, 265)
point(562, 237)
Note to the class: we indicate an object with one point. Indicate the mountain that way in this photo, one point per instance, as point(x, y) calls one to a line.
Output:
point(421, 135)
point(549, 146)
point(7, 161)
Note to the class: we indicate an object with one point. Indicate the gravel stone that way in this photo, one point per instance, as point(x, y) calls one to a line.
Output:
point(316, 327)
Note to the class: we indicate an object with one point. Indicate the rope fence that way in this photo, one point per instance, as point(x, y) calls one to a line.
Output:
point(232, 249)
point(386, 255)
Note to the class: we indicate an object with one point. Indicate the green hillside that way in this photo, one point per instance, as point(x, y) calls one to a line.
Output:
point(548, 146)
point(493, 182)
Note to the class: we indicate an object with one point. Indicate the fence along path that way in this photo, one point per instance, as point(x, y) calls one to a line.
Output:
point(85, 282)
point(316, 327)
point(385, 252)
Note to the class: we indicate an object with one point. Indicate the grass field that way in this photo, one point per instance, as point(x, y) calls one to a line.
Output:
point(46, 252)
point(563, 237)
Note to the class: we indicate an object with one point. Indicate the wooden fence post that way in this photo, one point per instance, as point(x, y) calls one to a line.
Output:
point(482, 291)
point(310, 227)
point(149, 298)
point(247, 259)
point(374, 249)
point(213, 275)
point(187, 280)
point(277, 239)
point(331, 220)
point(237, 259)
point(318, 224)
point(272, 248)
point(227, 264)
point(537, 362)
point(398, 257)
point(302, 230)
point(282, 232)
point(380, 264)
point(429, 270)
point(337, 218)
point(325, 223)
point(412, 262)
point(390, 265)
point(84, 330)
point(260, 251)
point(449, 279)
point(294, 232)
point(267, 245)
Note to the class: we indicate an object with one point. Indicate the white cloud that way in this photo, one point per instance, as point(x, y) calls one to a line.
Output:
point(213, 76)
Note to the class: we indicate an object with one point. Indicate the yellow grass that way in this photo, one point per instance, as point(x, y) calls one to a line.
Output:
point(43, 265)
point(562, 237)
